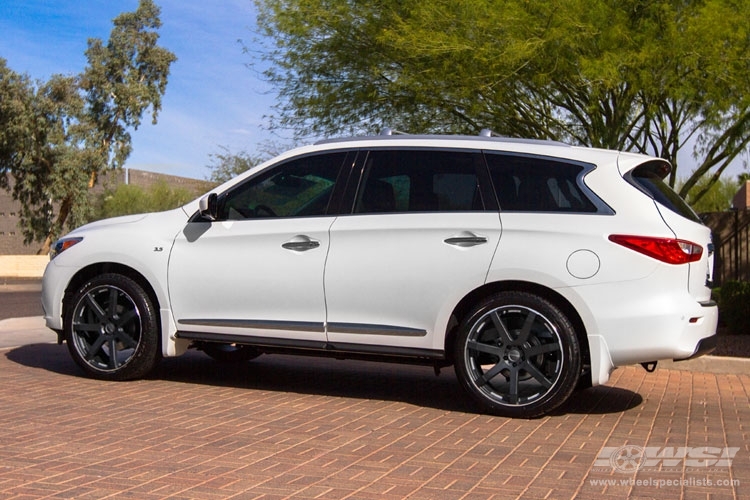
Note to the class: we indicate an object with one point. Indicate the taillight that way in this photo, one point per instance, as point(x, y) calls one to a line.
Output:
point(669, 250)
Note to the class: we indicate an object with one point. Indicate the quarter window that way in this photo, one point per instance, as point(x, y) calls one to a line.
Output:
point(533, 184)
point(299, 188)
point(420, 181)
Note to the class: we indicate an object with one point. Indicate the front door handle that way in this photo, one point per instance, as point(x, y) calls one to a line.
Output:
point(301, 243)
point(466, 239)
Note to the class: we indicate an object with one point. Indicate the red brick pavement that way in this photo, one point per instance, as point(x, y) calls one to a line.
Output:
point(291, 427)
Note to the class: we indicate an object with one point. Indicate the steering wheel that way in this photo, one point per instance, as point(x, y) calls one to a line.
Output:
point(264, 208)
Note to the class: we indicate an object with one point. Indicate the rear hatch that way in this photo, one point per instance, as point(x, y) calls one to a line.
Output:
point(681, 219)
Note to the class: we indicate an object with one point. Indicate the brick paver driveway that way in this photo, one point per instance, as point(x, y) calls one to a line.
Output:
point(310, 428)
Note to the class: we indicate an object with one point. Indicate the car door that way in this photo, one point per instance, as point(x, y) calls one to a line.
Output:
point(258, 269)
point(422, 234)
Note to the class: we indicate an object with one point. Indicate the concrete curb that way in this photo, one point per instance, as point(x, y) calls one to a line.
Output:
point(709, 364)
point(19, 285)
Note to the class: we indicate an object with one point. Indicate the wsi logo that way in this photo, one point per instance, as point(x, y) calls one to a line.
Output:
point(631, 458)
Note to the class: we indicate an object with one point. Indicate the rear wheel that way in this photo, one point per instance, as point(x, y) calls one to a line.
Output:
point(517, 355)
point(112, 328)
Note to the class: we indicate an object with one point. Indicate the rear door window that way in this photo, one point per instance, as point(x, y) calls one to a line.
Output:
point(398, 181)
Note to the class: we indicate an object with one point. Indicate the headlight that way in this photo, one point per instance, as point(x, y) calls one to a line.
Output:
point(61, 245)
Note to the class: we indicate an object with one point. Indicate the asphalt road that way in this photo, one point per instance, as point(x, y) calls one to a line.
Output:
point(17, 304)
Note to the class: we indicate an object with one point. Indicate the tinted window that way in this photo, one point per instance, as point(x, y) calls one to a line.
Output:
point(301, 187)
point(420, 181)
point(532, 184)
point(649, 177)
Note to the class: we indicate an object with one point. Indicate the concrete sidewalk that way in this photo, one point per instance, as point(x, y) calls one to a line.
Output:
point(16, 332)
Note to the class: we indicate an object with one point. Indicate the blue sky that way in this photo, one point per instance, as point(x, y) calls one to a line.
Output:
point(212, 98)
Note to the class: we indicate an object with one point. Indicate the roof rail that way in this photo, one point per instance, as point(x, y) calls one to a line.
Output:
point(392, 131)
point(485, 132)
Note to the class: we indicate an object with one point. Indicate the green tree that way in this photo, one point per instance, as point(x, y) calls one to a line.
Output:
point(227, 165)
point(652, 77)
point(56, 137)
point(718, 197)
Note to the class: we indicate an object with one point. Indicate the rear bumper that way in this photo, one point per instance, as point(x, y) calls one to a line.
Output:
point(636, 327)
point(705, 346)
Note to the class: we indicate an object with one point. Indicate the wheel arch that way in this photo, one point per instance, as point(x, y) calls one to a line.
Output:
point(97, 269)
point(470, 300)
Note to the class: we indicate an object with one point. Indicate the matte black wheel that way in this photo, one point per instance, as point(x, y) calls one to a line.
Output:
point(517, 355)
point(111, 329)
point(230, 353)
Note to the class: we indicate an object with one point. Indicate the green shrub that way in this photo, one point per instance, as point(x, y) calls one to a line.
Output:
point(734, 306)
point(128, 199)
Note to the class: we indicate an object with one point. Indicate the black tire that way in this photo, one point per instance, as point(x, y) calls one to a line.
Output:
point(230, 353)
point(112, 328)
point(517, 355)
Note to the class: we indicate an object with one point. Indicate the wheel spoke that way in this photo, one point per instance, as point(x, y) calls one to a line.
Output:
point(542, 349)
point(485, 348)
point(95, 307)
point(94, 348)
point(513, 382)
point(126, 318)
point(492, 372)
point(502, 331)
point(523, 336)
point(112, 344)
point(87, 327)
point(539, 376)
point(113, 294)
point(127, 340)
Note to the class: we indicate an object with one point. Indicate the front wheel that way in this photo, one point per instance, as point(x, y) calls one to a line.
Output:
point(112, 328)
point(517, 355)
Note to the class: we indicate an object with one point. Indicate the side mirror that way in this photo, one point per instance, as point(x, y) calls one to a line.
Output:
point(209, 206)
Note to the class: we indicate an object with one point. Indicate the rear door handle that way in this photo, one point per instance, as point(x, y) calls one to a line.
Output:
point(466, 239)
point(301, 243)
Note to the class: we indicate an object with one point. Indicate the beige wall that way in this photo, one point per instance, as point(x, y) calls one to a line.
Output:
point(22, 266)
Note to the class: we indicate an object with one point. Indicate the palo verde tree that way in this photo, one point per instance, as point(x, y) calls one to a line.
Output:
point(650, 76)
point(56, 137)
point(226, 165)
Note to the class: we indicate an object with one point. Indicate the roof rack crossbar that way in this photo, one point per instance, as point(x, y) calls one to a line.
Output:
point(392, 131)
point(486, 132)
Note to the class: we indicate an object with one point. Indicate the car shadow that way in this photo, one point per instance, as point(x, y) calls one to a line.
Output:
point(600, 400)
point(409, 384)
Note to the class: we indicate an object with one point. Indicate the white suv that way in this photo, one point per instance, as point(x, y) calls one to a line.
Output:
point(532, 267)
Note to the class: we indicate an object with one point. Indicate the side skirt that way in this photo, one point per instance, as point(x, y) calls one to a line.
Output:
point(339, 350)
